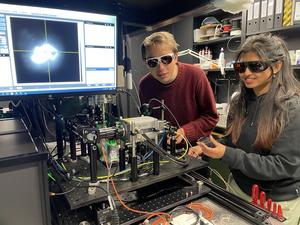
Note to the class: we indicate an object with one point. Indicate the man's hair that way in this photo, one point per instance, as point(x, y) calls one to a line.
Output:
point(158, 38)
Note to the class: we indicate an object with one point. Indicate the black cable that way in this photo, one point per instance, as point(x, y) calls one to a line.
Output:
point(134, 100)
point(77, 186)
point(66, 192)
point(53, 150)
point(163, 152)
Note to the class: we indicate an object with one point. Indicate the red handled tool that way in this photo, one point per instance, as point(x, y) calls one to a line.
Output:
point(274, 211)
point(262, 199)
point(254, 194)
point(269, 204)
point(279, 212)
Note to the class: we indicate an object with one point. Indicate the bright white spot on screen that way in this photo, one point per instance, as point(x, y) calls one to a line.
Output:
point(44, 53)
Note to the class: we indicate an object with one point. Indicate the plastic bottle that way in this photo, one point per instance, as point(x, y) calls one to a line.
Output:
point(222, 61)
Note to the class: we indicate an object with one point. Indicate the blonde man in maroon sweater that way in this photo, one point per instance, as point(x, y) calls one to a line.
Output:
point(184, 88)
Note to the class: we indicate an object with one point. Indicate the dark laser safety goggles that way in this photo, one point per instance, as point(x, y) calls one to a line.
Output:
point(253, 66)
point(155, 61)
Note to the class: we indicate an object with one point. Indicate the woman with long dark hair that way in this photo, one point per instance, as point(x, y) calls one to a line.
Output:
point(262, 143)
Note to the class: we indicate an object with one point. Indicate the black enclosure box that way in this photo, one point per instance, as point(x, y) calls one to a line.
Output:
point(23, 174)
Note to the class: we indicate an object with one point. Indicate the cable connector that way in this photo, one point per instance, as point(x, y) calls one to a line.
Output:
point(93, 187)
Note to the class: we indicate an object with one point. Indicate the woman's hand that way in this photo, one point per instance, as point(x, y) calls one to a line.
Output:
point(215, 152)
point(195, 151)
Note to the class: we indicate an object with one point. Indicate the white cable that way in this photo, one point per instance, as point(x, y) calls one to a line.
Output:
point(129, 80)
point(17, 104)
point(137, 93)
point(221, 178)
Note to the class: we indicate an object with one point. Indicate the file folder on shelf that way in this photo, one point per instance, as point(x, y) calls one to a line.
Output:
point(270, 14)
point(263, 15)
point(278, 13)
point(250, 19)
point(256, 14)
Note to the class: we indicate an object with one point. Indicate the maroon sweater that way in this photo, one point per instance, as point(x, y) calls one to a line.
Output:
point(189, 97)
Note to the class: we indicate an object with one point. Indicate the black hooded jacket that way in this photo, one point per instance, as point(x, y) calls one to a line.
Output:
point(277, 172)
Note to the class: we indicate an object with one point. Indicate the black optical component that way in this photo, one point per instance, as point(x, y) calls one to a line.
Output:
point(253, 66)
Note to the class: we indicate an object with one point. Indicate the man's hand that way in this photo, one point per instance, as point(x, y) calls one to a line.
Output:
point(179, 136)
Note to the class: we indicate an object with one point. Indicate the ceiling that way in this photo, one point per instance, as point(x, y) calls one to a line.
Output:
point(137, 13)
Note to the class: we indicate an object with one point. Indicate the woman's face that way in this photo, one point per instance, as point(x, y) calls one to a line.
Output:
point(166, 70)
point(259, 81)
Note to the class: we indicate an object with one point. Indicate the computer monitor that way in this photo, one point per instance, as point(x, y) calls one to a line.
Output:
point(47, 51)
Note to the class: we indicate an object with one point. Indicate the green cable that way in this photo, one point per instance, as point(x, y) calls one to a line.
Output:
point(50, 176)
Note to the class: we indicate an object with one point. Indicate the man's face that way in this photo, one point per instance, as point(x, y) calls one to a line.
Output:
point(162, 63)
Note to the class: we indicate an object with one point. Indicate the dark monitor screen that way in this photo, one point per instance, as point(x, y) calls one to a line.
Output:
point(51, 51)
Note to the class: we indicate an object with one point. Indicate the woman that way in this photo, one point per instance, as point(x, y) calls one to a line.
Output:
point(262, 143)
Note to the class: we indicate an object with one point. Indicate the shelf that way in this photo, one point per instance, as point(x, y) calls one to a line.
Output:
point(296, 67)
point(288, 28)
point(221, 39)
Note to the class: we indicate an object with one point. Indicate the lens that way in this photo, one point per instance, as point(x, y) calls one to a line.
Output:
point(152, 63)
point(166, 59)
point(253, 66)
point(257, 67)
point(239, 67)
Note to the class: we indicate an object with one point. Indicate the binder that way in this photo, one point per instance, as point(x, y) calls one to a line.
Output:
point(256, 14)
point(296, 15)
point(250, 19)
point(263, 15)
point(278, 13)
point(270, 14)
point(287, 18)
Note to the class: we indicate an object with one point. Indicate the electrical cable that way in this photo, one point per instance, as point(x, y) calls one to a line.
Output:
point(184, 210)
point(151, 152)
point(207, 212)
point(186, 146)
point(163, 152)
point(46, 126)
point(228, 187)
point(28, 118)
point(17, 104)
point(227, 44)
point(164, 105)
point(122, 172)
point(134, 100)
point(137, 93)
point(119, 197)
point(45, 108)
point(66, 192)
point(172, 114)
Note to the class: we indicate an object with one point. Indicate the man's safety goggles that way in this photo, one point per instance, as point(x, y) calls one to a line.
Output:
point(155, 61)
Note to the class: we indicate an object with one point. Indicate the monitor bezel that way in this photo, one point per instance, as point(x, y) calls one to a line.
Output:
point(79, 92)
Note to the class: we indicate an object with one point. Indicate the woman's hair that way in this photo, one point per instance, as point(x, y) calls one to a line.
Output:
point(273, 114)
point(159, 38)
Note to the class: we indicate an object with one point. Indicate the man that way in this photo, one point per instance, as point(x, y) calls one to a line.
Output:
point(184, 88)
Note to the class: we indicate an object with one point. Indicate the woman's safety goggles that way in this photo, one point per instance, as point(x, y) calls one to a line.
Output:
point(253, 66)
